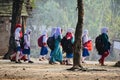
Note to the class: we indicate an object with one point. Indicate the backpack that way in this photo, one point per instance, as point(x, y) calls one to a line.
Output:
point(99, 45)
point(67, 45)
point(88, 44)
point(40, 39)
point(51, 42)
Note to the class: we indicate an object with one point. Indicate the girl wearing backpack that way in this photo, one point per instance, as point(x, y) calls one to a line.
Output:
point(106, 47)
point(56, 53)
point(85, 41)
point(67, 45)
point(18, 37)
point(26, 43)
point(44, 49)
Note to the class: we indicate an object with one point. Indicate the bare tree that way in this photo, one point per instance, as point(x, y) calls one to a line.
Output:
point(78, 38)
point(16, 15)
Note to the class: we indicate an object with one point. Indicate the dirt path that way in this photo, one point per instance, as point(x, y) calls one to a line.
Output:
point(44, 71)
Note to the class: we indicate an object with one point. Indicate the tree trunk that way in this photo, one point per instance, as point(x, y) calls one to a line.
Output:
point(78, 38)
point(16, 15)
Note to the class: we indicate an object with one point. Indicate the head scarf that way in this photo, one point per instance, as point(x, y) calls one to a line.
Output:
point(53, 31)
point(17, 33)
point(44, 32)
point(45, 37)
point(104, 30)
point(28, 31)
point(85, 36)
point(58, 32)
point(17, 30)
point(18, 26)
point(69, 33)
point(85, 32)
point(71, 30)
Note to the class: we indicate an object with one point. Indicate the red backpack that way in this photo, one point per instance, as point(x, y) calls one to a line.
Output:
point(40, 41)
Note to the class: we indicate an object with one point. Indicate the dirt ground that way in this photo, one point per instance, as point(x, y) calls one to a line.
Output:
point(41, 70)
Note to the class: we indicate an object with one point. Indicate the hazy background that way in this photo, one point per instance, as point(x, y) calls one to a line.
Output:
point(63, 13)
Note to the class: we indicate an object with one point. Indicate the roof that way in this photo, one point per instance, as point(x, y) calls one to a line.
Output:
point(6, 9)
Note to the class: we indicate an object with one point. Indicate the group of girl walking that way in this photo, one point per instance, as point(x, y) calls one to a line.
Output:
point(21, 49)
point(56, 54)
point(62, 44)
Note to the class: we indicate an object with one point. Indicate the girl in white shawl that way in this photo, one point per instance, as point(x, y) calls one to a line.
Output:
point(56, 54)
point(27, 44)
point(17, 40)
point(85, 39)
point(105, 51)
point(44, 49)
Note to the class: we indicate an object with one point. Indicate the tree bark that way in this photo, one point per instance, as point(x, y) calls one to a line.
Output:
point(78, 38)
point(16, 15)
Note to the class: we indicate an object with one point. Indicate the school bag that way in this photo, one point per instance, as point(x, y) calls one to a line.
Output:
point(40, 41)
point(67, 45)
point(51, 42)
point(88, 44)
point(99, 45)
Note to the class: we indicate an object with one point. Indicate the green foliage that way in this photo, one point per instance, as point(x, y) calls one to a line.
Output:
point(32, 3)
point(98, 13)
point(63, 13)
point(55, 13)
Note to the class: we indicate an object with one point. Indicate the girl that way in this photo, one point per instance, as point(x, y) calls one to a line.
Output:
point(85, 40)
point(44, 49)
point(17, 40)
point(106, 43)
point(67, 45)
point(27, 44)
point(56, 54)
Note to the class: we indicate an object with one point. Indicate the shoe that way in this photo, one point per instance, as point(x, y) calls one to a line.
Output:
point(65, 61)
point(40, 59)
point(83, 62)
point(62, 63)
point(103, 65)
point(100, 62)
point(69, 64)
point(18, 61)
point(11, 59)
point(25, 60)
point(52, 63)
point(30, 62)
point(43, 58)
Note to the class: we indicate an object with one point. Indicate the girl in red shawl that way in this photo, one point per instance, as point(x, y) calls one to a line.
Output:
point(67, 45)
